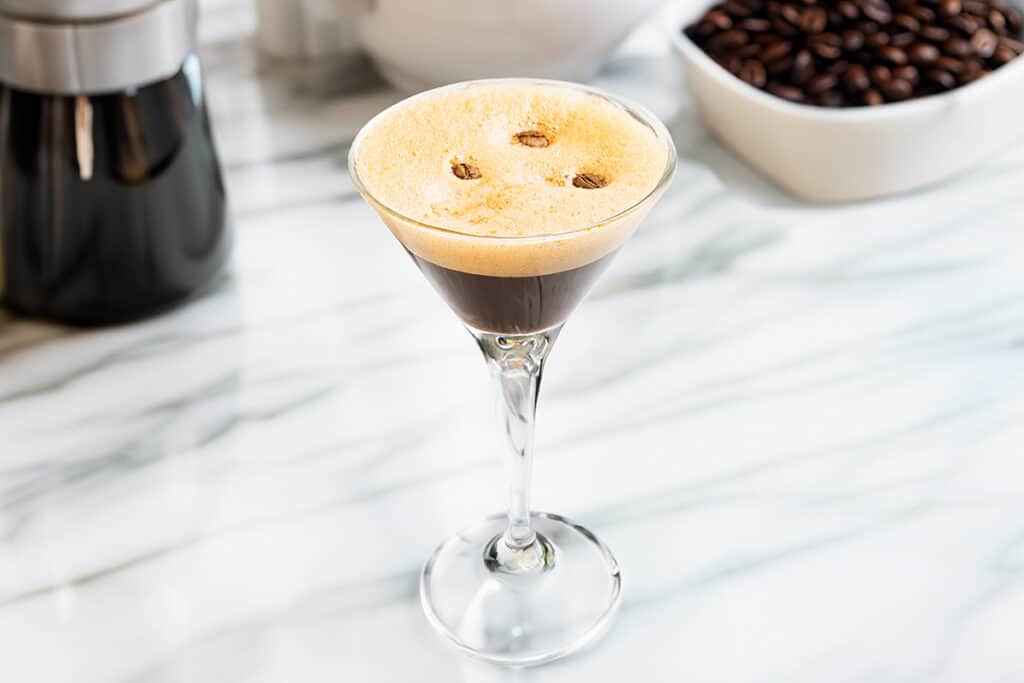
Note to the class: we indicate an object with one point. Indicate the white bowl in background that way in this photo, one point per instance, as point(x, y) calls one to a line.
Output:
point(418, 45)
point(837, 155)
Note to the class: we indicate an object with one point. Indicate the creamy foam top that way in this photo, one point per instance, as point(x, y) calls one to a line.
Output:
point(509, 161)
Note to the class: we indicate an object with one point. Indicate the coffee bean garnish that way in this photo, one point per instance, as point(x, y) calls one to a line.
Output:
point(532, 138)
point(844, 53)
point(589, 181)
point(465, 171)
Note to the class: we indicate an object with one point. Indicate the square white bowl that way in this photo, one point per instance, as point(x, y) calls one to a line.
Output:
point(838, 155)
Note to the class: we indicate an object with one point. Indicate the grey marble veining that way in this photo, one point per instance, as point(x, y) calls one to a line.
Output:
point(799, 427)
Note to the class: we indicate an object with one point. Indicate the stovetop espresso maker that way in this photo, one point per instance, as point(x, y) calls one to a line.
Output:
point(112, 204)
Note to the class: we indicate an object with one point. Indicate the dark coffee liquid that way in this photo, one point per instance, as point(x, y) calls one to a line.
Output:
point(143, 230)
point(513, 304)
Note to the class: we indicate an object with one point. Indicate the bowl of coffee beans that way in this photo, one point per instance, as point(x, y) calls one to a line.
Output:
point(840, 100)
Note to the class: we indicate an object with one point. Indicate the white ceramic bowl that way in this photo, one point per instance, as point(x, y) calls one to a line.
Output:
point(835, 155)
point(418, 45)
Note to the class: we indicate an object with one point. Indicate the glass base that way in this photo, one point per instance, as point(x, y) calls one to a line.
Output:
point(517, 617)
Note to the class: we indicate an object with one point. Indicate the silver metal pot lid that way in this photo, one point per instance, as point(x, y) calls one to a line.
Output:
point(51, 56)
point(72, 10)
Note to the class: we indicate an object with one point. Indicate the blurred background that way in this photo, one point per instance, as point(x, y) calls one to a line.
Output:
point(234, 420)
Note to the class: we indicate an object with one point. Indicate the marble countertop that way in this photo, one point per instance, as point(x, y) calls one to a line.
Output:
point(800, 429)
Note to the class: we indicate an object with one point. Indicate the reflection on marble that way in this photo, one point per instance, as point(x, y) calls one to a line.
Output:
point(800, 429)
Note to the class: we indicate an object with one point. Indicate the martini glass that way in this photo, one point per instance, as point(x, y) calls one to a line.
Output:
point(522, 587)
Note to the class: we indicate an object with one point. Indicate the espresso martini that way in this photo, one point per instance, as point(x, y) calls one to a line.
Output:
point(510, 197)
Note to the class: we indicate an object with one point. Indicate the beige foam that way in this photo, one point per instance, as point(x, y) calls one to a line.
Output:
point(523, 216)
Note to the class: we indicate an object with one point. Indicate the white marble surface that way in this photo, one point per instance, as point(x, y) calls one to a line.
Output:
point(800, 428)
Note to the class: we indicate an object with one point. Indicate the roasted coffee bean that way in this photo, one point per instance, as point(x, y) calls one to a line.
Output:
point(791, 14)
point(893, 55)
point(974, 75)
point(755, 24)
point(728, 39)
point(727, 62)
point(1003, 55)
point(1011, 44)
point(701, 30)
point(984, 43)
point(876, 10)
point(803, 67)
point(950, 8)
point(780, 66)
point(736, 9)
point(923, 53)
point(821, 83)
point(813, 20)
point(720, 19)
point(923, 14)
point(936, 34)
point(776, 50)
point(848, 9)
point(965, 23)
point(943, 79)
point(908, 73)
point(826, 45)
point(786, 92)
point(897, 89)
point(950, 64)
point(880, 74)
point(856, 78)
point(975, 7)
point(838, 68)
point(876, 40)
point(748, 50)
point(969, 73)
point(873, 98)
point(784, 28)
point(907, 22)
point(831, 98)
point(853, 40)
point(997, 21)
point(754, 73)
point(903, 39)
point(957, 47)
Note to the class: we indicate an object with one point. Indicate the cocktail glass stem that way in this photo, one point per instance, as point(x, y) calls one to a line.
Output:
point(517, 363)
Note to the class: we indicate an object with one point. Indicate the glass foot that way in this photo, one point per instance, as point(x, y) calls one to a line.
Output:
point(564, 600)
